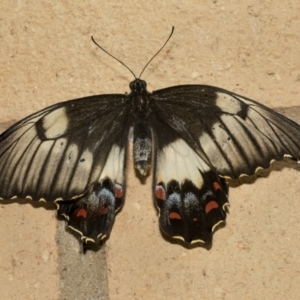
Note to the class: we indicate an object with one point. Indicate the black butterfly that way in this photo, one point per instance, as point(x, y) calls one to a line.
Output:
point(192, 136)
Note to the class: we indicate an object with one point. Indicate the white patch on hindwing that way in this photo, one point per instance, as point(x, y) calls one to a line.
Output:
point(55, 123)
point(178, 161)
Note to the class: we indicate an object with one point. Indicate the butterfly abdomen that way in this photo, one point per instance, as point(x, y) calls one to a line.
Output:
point(142, 146)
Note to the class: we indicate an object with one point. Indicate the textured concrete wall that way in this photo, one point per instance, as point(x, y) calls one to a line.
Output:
point(249, 47)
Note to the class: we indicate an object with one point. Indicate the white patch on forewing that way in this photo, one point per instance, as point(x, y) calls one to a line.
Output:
point(12, 155)
point(227, 103)
point(53, 160)
point(83, 170)
point(34, 175)
point(25, 164)
point(69, 162)
point(220, 148)
point(21, 137)
point(178, 161)
point(114, 165)
point(208, 144)
point(55, 123)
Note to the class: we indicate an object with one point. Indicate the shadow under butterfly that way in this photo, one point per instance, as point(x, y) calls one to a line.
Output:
point(194, 137)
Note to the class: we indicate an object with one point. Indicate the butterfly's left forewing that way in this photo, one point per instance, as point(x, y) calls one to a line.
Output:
point(72, 153)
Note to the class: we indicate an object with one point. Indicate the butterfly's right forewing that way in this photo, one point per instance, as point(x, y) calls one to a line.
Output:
point(234, 134)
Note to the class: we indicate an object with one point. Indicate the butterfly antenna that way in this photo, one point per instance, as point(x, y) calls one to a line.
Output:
point(112, 56)
point(157, 51)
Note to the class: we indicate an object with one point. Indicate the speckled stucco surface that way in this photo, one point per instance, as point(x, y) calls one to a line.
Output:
point(249, 47)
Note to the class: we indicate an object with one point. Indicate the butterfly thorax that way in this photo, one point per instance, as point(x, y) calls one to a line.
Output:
point(142, 137)
point(140, 98)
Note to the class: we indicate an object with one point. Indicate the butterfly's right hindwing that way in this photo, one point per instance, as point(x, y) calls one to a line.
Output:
point(191, 198)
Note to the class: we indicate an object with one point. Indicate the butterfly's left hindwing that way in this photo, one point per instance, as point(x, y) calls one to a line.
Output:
point(72, 153)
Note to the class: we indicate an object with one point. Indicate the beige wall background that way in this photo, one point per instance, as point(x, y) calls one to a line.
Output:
point(249, 47)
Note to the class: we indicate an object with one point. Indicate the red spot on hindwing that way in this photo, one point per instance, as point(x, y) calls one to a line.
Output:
point(216, 186)
point(174, 215)
point(81, 212)
point(211, 205)
point(103, 211)
point(160, 192)
point(118, 191)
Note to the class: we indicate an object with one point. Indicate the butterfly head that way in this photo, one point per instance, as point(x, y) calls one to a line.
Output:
point(138, 86)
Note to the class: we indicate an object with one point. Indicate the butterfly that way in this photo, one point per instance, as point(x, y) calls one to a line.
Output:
point(191, 137)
